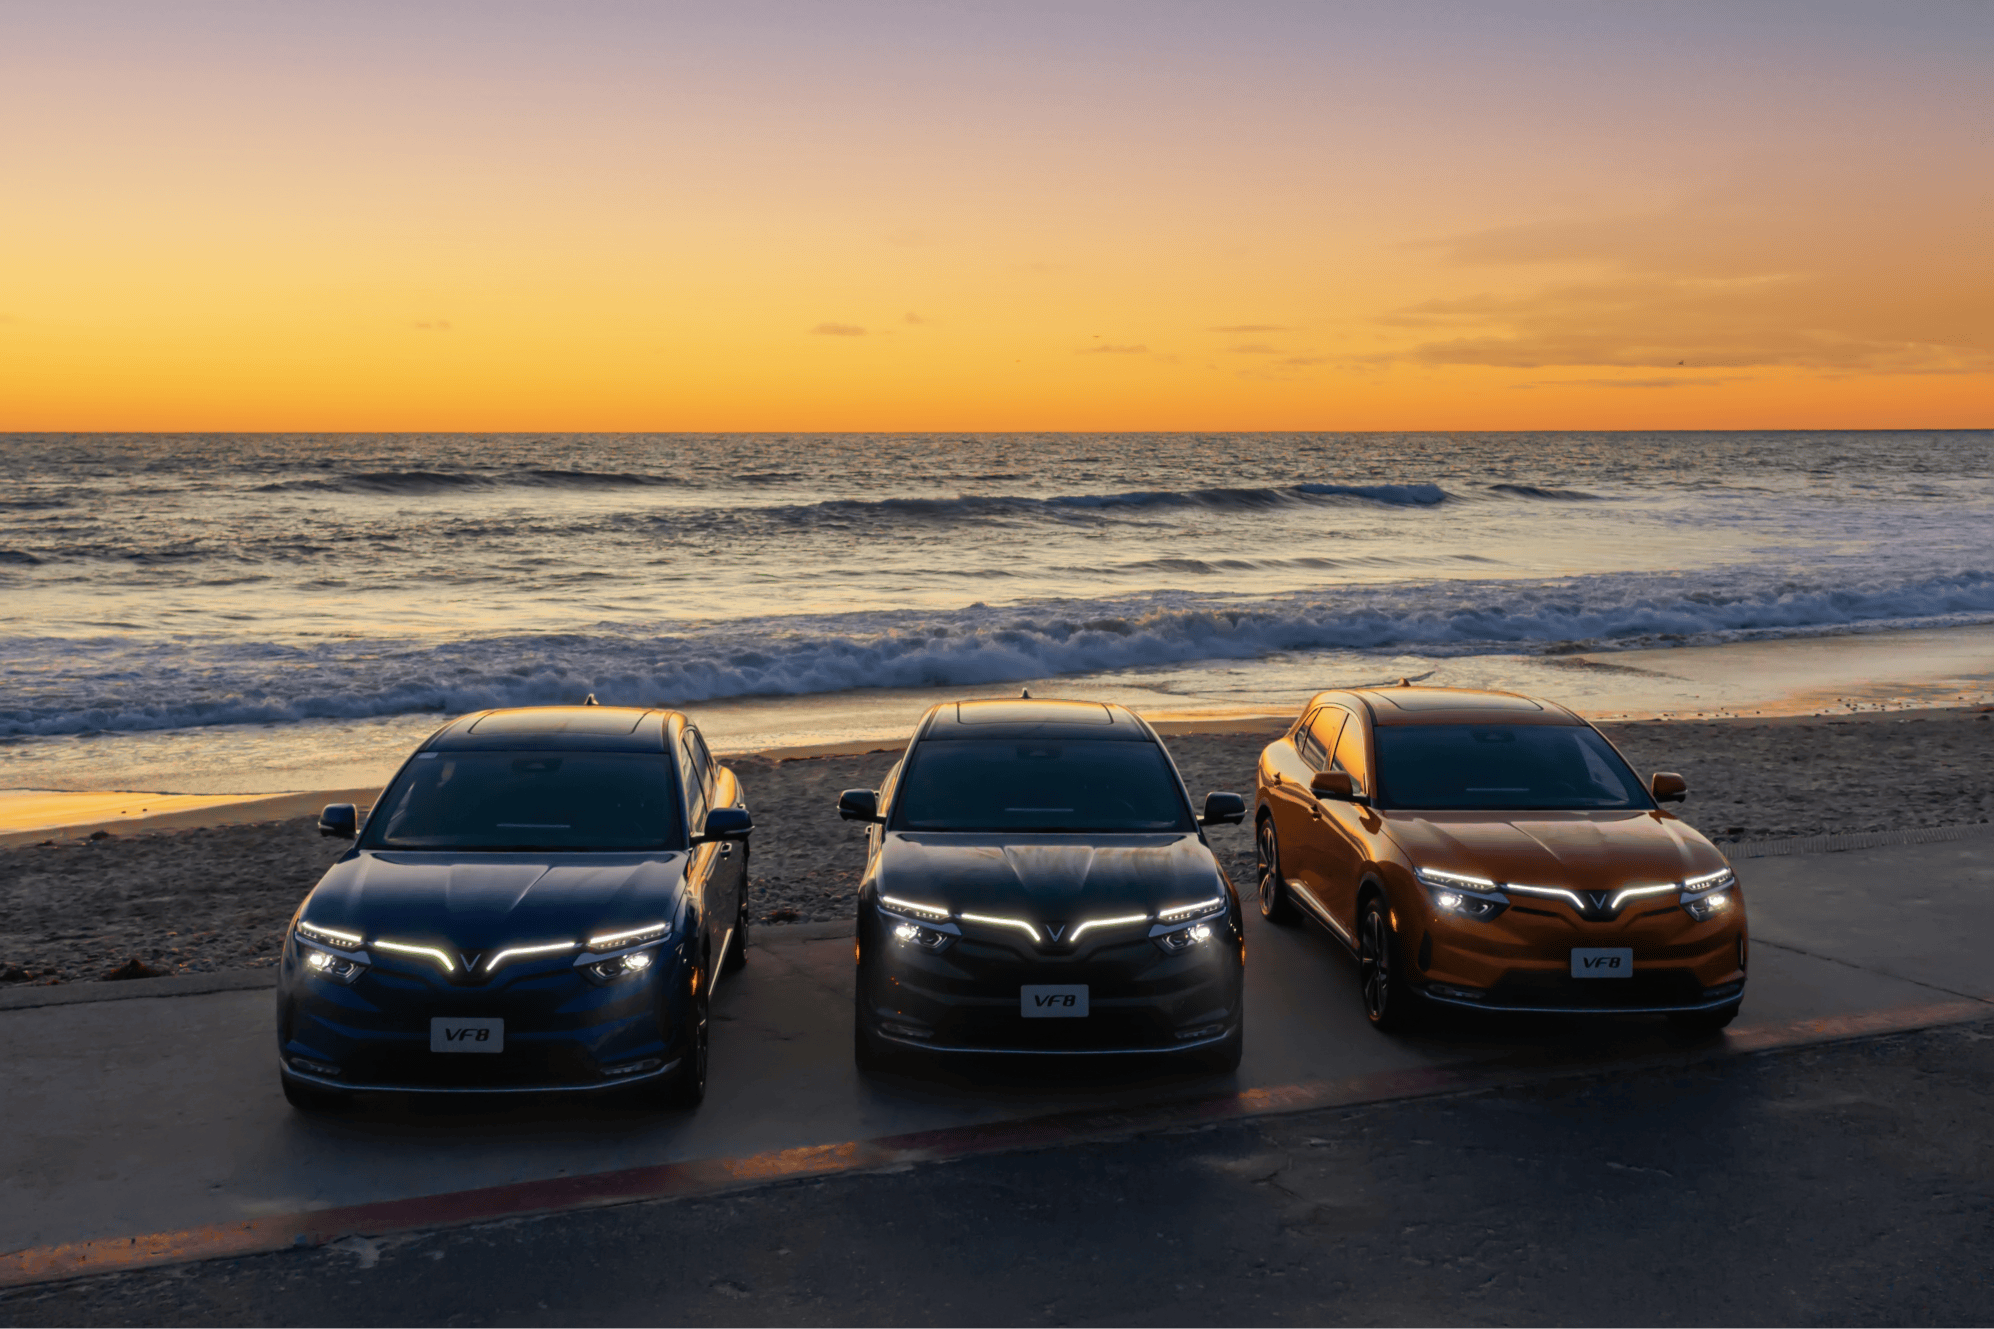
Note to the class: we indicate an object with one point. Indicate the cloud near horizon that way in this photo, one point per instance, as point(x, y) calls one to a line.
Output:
point(837, 330)
point(1797, 275)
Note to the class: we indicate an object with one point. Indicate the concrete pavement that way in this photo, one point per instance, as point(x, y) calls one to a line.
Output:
point(162, 1114)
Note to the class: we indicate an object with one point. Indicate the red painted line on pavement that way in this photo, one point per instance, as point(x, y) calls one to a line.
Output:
point(708, 1176)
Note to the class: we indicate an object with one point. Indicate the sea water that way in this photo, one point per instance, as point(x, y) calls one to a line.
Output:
point(254, 612)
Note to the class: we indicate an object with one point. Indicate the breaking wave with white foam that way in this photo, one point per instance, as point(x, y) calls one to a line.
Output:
point(138, 683)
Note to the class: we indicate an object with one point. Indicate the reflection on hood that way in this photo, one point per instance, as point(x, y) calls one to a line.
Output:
point(1580, 851)
point(1047, 872)
point(486, 900)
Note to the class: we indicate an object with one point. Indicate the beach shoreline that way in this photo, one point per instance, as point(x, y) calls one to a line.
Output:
point(214, 890)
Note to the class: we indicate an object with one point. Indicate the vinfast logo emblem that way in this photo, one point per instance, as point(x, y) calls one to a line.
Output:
point(1598, 899)
point(1055, 930)
point(470, 959)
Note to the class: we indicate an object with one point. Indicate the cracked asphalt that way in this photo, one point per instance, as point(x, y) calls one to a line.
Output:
point(1848, 1184)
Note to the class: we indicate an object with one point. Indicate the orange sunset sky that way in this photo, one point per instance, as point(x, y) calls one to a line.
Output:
point(995, 216)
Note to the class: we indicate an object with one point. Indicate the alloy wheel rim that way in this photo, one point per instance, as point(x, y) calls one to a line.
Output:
point(1268, 860)
point(1375, 965)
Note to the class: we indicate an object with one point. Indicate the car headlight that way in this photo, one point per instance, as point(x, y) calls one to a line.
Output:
point(1709, 895)
point(627, 965)
point(929, 931)
point(1462, 895)
point(1180, 927)
point(1182, 939)
point(330, 952)
point(339, 968)
point(633, 952)
point(1705, 907)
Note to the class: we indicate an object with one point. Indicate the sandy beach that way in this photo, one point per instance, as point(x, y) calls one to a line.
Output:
point(198, 898)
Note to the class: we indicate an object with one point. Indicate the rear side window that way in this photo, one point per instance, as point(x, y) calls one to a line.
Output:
point(1059, 785)
point(1350, 756)
point(1311, 751)
point(1322, 735)
point(698, 784)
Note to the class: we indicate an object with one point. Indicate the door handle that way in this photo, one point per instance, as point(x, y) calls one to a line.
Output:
point(726, 849)
point(1315, 812)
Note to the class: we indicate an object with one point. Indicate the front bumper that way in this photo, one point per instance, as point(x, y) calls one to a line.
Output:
point(1520, 961)
point(562, 1031)
point(966, 999)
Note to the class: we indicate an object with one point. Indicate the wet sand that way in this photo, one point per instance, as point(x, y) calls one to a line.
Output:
point(212, 897)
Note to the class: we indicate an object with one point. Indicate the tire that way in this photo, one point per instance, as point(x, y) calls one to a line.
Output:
point(685, 1087)
point(1705, 1022)
point(1381, 985)
point(1275, 904)
point(1222, 1057)
point(310, 1098)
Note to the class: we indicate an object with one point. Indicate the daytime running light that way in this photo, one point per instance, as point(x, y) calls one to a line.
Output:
point(1019, 923)
point(1190, 910)
point(1438, 877)
point(629, 937)
point(1549, 892)
point(511, 951)
point(1636, 892)
point(329, 936)
point(429, 951)
point(918, 910)
point(1108, 923)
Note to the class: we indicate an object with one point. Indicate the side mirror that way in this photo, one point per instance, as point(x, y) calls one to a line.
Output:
point(858, 805)
point(1223, 810)
point(725, 824)
point(1668, 787)
point(341, 821)
point(1333, 784)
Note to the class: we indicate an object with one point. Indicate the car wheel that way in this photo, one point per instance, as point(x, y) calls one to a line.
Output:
point(1222, 1057)
point(1275, 905)
point(1388, 1002)
point(686, 1085)
point(1705, 1022)
point(310, 1098)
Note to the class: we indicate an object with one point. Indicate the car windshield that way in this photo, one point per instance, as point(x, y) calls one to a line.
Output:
point(1502, 768)
point(567, 801)
point(1061, 785)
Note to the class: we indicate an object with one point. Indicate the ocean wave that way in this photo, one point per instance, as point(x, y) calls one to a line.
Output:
point(143, 683)
point(434, 482)
point(1259, 496)
point(986, 505)
point(1545, 491)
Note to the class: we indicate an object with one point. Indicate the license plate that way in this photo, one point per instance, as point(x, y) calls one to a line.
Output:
point(1602, 962)
point(1049, 1001)
point(466, 1035)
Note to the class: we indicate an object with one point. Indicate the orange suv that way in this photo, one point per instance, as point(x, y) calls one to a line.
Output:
point(1490, 851)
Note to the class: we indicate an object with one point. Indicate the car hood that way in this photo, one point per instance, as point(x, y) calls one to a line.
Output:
point(1051, 877)
point(479, 901)
point(1577, 850)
